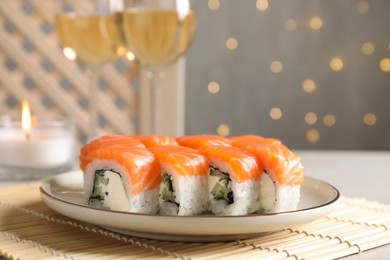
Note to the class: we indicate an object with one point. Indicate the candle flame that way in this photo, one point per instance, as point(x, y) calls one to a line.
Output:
point(26, 118)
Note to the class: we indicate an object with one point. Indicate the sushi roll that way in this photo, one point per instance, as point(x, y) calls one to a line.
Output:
point(156, 140)
point(283, 175)
point(183, 189)
point(234, 178)
point(244, 140)
point(197, 141)
point(121, 178)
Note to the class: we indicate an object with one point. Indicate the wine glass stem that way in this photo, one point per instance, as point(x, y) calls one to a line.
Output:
point(154, 124)
point(92, 107)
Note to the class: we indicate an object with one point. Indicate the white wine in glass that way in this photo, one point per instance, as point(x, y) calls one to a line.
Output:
point(157, 32)
point(89, 34)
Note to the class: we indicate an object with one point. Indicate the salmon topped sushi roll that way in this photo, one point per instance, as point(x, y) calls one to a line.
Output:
point(197, 141)
point(183, 190)
point(107, 141)
point(280, 185)
point(245, 140)
point(121, 178)
point(155, 140)
point(234, 177)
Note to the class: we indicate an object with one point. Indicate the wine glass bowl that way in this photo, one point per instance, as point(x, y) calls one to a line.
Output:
point(90, 40)
point(157, 32)
point(89, 34)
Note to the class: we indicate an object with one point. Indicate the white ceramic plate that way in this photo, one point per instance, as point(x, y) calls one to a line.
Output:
point(64, 193)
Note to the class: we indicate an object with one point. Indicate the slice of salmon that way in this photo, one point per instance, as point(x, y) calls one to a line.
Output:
point(245, 140)
point(197, 141)
point(155, 140)
point(283, 165)
point(239, 163)
point(140, 164)
point(111, 141)
point(108, 142)
point(180, 159)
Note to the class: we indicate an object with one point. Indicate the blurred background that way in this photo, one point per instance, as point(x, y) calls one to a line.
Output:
point(315, 74)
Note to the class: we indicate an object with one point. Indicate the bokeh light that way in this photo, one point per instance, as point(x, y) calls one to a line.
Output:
point(262, 5)
point(329, 120)
point(312, 135)
point(384, 64)
point(213, 4)
point(231, 43)
point(315, 23)
point(275, 113)
point(310, 118)
point(308, 85)
point(223, 130)
point(130, 56)
point(69, 53)
point(213, 87)
point(369, 119)
point(362, 7)
point(336, 64)
point(368, 48)
point(276, 66)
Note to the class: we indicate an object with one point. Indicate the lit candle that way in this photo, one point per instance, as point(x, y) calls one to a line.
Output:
point(26, 118)
point(46, 145)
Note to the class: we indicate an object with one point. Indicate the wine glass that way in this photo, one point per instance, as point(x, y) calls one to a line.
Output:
point(89, 35)
point(157, 32)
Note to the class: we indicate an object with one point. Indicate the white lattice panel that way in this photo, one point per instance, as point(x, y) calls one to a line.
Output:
point(32, 66)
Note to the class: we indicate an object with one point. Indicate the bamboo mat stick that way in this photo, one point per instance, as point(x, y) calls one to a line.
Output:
point(336, 253)
point(269, 237)
point(202, 248)
point(377, 242)
point(324, 251)
point(276, 242)
point(298, 242)
point(310, 243)
point(383, 236)
point(18, 246)
point(205, 251)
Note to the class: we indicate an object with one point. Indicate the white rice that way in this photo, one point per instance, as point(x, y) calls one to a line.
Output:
point(144, 202)
point(274, 198)
point(193, 193)
point(245, 200)
point(190, 193)
point(245, 194)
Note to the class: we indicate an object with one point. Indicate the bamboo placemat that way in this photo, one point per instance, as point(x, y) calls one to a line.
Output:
point(31, 230)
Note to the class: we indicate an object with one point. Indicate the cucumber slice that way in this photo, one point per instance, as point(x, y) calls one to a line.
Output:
point(98, 182)
point(108, 191)
point(167, 192)
point(222, 188)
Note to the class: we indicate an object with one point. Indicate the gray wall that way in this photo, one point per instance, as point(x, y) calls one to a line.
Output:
point(249, 89)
